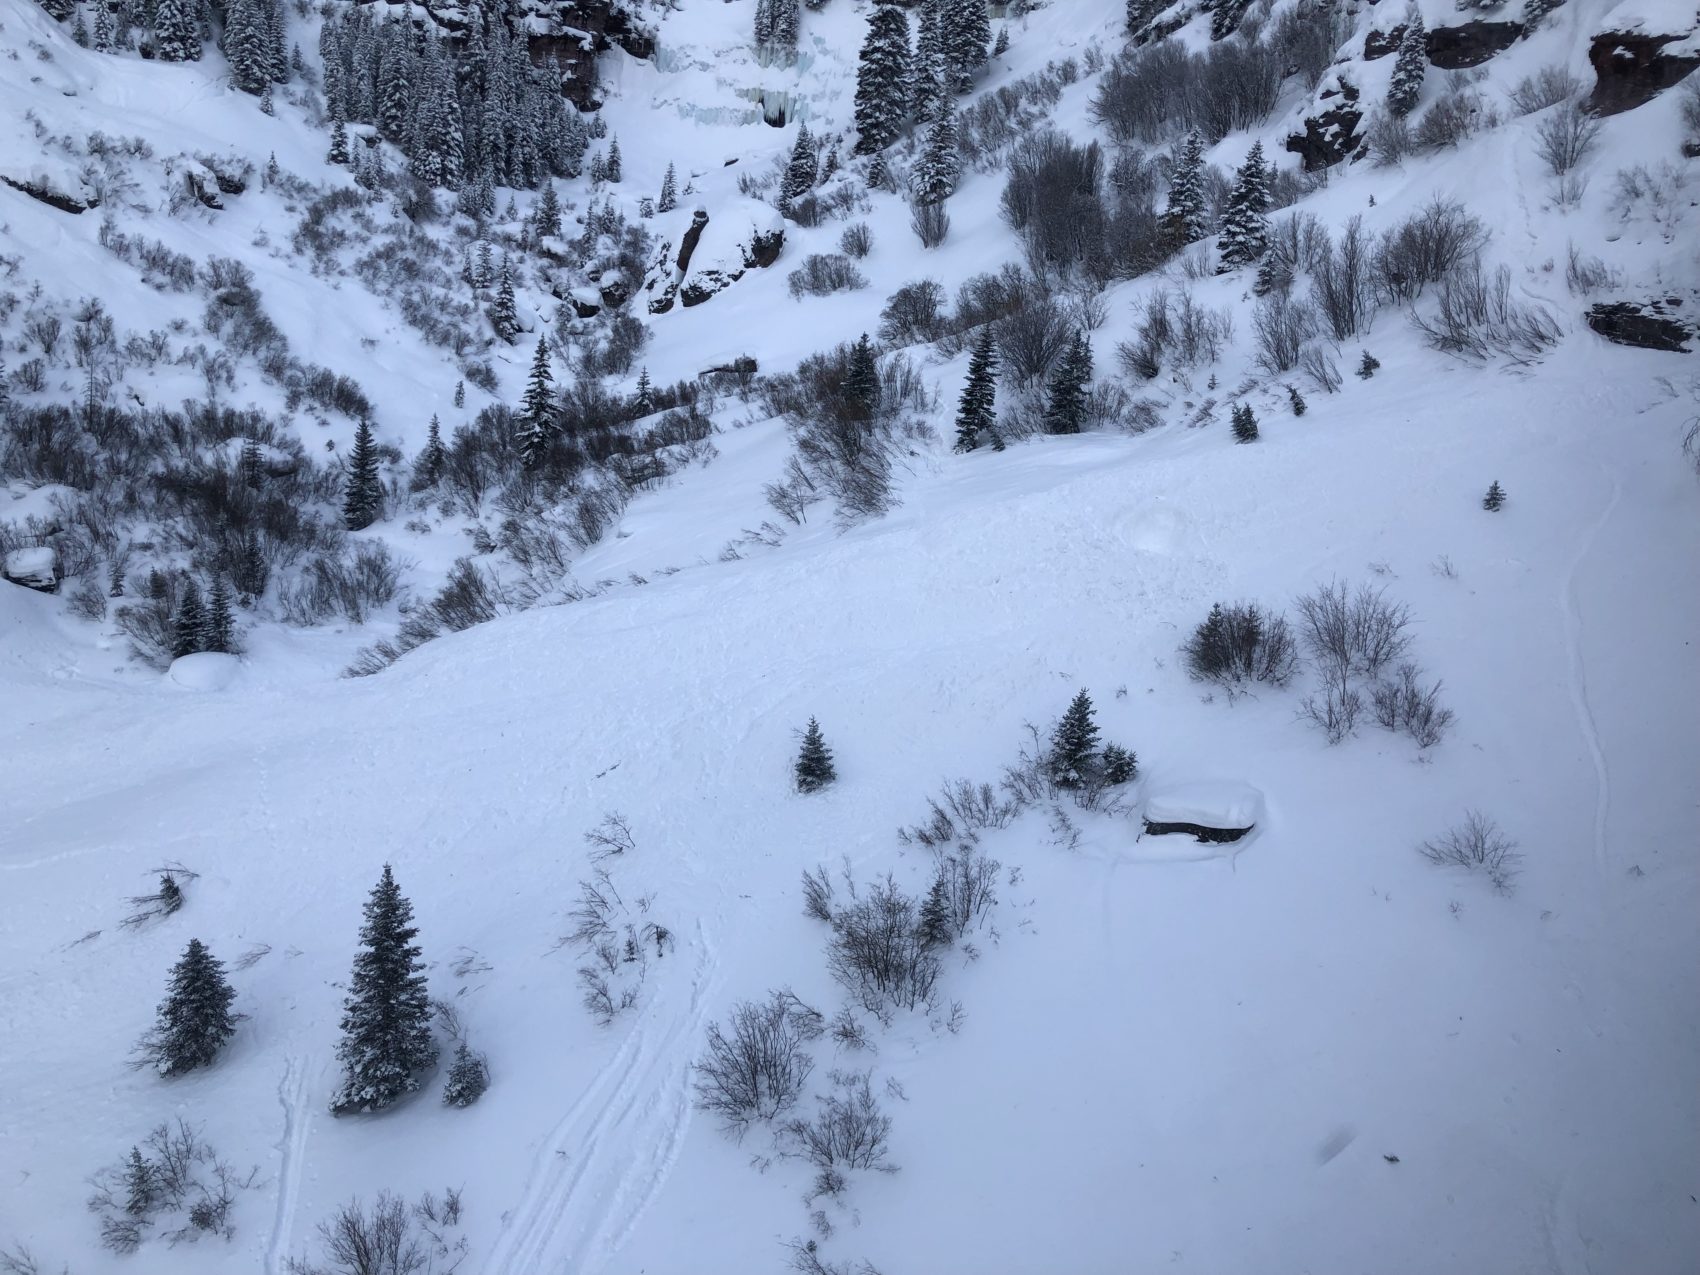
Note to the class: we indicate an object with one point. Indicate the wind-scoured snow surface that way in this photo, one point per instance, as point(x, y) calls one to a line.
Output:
point(1308, 1051)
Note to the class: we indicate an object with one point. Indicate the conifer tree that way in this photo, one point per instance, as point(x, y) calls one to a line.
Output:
point(935, 928)
point(1074, 744)
point(189, 629)
point(800, 172)
point(783, 35)
point(429, 467)
point(1245, 226)
point(266, 100)
point(966, 32)
point(1244, 423)
point(974, 413)
point(251, 567)
point(141, 1185)
point(1184, 220)
point(363, 493)
point(504, 313)
point(814, 768)
point(931, 89)
point(1494, 501)
point(176, 31)
point(1065, 409)
point(1296, 400)
point(883, 92)
point(862, 381)
point(548, 211)
point(252, 465)
point(940, 165)
point(460, 393)
point(1001, 46)
point(669, 199)
point(469, 1077)
point(245, 44)
point(386, 1022)
point(643, 402)
point(220, 626)
point(537, 409)
point(1406, 85)
point(194, 1018)
point(613, 170)
point(339, 139)
point(762, 30)
point(102, 25)
point(1367, 365)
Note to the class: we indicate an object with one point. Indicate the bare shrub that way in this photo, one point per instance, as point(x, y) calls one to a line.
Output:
point(1476, 318)
point(1390, 139)
point(1585, 275)
point(613, 836)
point(930, 222)
point(1546, 87)
point(959, 813)
point(1242, 643)
point(1335, 711)
point(914, 313)
point(1425, 248)
point(351, 587)
point(806, 1259)
point(857, 241)
point(1566, 138)
point(389, 1238)
point(878, 953)
point(1320, 366)
point(1404, 703)
point(1032, 339)
point(847, 1131)
point(822, 274)
point(963, 893)
point(1342, 283)
point(1351, 633)
point(817, 894)
point(1281, 327)
point(1199, 332)
point(1477, 845)
point(1457, 114)
point(757, 1072)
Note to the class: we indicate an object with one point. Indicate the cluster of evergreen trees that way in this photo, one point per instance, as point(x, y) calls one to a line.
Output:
point(895, 83)
point(252, 33)
point(386, 1024)
point(776, 24)
point(1068, 398)
point(469, 119)
point(203, 625)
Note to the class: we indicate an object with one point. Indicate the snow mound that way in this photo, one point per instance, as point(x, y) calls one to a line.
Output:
point(203, 671)
point(33, 567)
point(1225, 804)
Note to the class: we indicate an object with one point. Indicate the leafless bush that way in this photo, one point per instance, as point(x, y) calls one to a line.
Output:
point(857, 241)
point(174, 1181)
point(806, 1259)
point(914, 313)
point(1198, 332)
point(1565, 138)
point(878, 953)
point(1153, 93)
point(1425, 248)
point(388, 1238)
point(1476, 318)
point(1457, 114)
point(848, 1031)
point(959, 813)
point(1335, 711)
point(1282, 327)
point(1585, 275)
point(1032, 339)
point(847, 1131)
point(1342, 287)
point(1477, 845)
point(1351, 633)
point(930, 222)
point(757, 1072)
point(1319, 365)
point(822, 274)
point(350, 587)
point(1546, 87)
point(1655, 192)
point(1242, 643)
point(817, 894)
point(613, 836)
point(1404, 703)
point(1390, 139)
point(963, 893)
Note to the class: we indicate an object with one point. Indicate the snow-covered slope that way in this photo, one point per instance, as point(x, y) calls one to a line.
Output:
point(1309, 1050)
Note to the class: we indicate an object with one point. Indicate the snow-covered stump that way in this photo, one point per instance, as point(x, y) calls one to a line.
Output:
point(1216, 811)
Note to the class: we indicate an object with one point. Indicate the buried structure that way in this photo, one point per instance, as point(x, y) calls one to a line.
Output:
point(1211, 811)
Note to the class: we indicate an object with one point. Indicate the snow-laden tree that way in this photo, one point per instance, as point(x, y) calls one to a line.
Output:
point(931, 86)
point(800, 172)
point(176, 31)
point(814, 769)
point(975, 416)
point(883, 92)
point(189, 629)
point(862, 381)
point(194, 1020)
point(1066, 400)
point(1245, 224)
point(1074, 744)
point(363, 491)
point(669, 199)
point(386, 1022)
point(965, 28)
point(220, 632)
point(940, 165)
point(1409, 67)
point(1185, 218)
point(537, 409)
point(504, 312)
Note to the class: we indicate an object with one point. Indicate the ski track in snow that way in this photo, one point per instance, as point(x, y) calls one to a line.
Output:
point(608, 1156)
point(291, 1149)
point(1579, 677)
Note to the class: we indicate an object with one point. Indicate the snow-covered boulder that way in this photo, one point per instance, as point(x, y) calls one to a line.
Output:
point(1212, 810)
point(1643, 47)
point(34, 568)
point(203, 671)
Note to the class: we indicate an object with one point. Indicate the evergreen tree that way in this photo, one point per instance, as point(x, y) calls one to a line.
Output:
point(1296, 400)
point(339, 140)
point(548, 212)
point(266, 107)
point(429, 467)
point(935, 927)
point(1494, 501)
point(176, 31)
point(940, 165)
point(537, 409)
point(102, 26)
point(763, 28)
point(1184, 218)
point(1074, 744)
point(363, 493)
point(669, 199)
point(1065, 410)
point(1001, 47)
point(1368, 365)
point(252, 465)
point(245, 44)
point(1244, 423)
point(1406, 85)
point(613, 170)
point(974, 413)
point(814, 768)
point(785, 21)
point(194, 1018)
point(643, 403)
point(251, 567)
point(189, 629)
point(966, 34)
point(799, 177)
point(504, 314)
point(931, 90)
point(460, 394)
point(141, 1185)
point(469, 1077)
point(1245, 225)
point(1272, 274)
point(862, 381)
point(80, 29)
point(220, 626)
point(883, 93)
point(386, 1022)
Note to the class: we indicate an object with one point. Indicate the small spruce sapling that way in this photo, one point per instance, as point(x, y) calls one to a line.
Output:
point(1494, 501)
point(1244, 424)
point(1368, 365)
point(814, 768)
point(469, 1077)
point(189, 633)
point(1296, 399)
point(194, 1018)
point(1074, 744)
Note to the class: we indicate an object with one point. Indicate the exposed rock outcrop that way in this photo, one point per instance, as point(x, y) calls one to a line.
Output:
point(49, 195)
point(1454, 48)
point(1648, 325)
point(1331, 135)
point(1632, 67)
